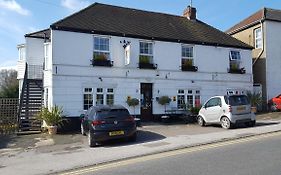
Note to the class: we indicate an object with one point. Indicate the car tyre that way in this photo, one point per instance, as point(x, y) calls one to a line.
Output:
point(91, 141)
point(201, 121)
point(251, 124)
point(226, 123)
point(82, 130)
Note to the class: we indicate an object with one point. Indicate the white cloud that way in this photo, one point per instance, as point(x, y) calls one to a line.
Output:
point(12, 5)
point(74, 5)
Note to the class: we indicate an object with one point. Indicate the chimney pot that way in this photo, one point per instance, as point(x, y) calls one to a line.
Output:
point(190, 13)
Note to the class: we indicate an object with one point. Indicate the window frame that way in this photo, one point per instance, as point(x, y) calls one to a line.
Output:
point(187, 93)
point(150, 55)
point(106, 52)
point(88, 91)
point(187, 57)
point(258, 38)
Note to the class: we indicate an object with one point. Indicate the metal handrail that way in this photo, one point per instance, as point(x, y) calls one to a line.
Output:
point(22, 90)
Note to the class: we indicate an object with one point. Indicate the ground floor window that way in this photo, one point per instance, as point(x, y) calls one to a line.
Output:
point(98, 96)
point(88, 98)
point(189, 98)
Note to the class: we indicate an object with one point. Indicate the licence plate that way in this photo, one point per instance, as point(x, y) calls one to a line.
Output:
point(241, 108)
point(116, 133)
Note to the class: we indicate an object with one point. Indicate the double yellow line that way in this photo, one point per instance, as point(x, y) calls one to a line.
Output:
point(168, 154)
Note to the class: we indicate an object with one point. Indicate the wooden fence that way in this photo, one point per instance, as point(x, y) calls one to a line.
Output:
point(8, 115)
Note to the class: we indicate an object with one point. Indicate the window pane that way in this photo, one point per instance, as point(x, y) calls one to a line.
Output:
point(146, 48)
point(189, 101)
point(187, 51)
point(101, 44)
point(99, 99)
point(109, 99)
point(197, 101)
point(180, 102)
point(99, 90)
point(181, 91)
point(110, 90)
point(88, 101)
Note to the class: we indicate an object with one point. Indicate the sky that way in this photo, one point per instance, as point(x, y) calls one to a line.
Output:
point(18, 17)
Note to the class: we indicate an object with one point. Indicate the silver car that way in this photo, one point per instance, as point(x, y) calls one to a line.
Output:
point(227, 111)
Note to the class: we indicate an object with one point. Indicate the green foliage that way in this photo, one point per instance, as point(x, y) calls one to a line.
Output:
point(187, 62)
point(132, 102)
point(51, 117)
point(195, 110)
point(9, 87)
point(144, 59)
point(164, 100)
point(255, 98)
point(100, 57)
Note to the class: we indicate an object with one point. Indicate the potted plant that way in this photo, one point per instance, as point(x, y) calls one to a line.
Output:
point(187, 65)
point(51, 117)
point(164, 100)
point(255, 100)
point(133, 102)
point(101, 60)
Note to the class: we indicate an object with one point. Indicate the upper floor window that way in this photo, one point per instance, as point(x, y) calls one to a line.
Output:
point(258, 38)
point(187, 60)
point(146, 52)
point(146, 55)
point(101, 48)
point(234, 60)
point(21, 53)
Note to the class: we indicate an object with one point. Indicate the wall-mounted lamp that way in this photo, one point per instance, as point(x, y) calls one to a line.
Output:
point(125, 43)
point(100, 78)
point(192, 81)
point(166, 76)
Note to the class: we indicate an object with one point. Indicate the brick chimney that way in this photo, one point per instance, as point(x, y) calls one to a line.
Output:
point(190, 13)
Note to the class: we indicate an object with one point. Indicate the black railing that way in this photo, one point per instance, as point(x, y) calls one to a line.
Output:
point(34, 71)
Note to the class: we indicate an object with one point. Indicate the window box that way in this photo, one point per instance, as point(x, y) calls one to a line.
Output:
point(147, 66)
point(189, 68)
point(105, 63)
point(145, 63)
point(237, 70)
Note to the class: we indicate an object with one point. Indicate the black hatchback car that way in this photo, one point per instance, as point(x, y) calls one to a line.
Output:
point(102, 123)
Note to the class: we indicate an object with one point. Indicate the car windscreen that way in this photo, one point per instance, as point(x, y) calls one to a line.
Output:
point(113, 113)
point(238, 100)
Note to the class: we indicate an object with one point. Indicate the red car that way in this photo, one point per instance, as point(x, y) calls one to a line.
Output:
point(275, 103)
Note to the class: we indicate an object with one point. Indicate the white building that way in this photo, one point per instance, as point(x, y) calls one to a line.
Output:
point(105, 54)
point(262, 31)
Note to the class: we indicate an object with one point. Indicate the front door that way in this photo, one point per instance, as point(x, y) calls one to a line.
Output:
point(146, 102)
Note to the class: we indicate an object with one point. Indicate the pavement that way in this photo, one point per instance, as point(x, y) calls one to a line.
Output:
point(45, 154)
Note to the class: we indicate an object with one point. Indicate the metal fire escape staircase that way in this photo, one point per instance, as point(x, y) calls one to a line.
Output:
point(31, 98)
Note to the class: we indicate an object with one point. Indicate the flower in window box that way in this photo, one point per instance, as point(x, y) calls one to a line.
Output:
point(187, 63)
point(144, 59)
point(100, 57)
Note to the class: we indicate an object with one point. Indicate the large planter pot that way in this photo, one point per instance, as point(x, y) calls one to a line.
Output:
point(52, 130)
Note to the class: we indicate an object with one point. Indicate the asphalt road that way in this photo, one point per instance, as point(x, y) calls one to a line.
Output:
point(257, 156)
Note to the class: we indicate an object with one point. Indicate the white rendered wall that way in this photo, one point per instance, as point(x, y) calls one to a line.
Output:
point(34, 51)
point(72, 71)
point(273, 58)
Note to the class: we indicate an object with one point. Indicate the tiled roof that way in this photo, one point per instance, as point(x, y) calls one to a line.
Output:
point(263, 14)
point(119, 21)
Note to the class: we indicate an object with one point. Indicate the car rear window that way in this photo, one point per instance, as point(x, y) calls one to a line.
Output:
point(238, 100)
point(113, 113)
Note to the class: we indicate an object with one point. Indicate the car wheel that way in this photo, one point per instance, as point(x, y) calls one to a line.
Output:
point(133, 138)
point(91, 141)
point(200, 121)
point(82, 130)
point(225, 123)
point(251, 124)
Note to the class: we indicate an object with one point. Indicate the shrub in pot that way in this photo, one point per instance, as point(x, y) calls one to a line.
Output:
point(255, 100)
point(51, 117)
point(164, 100)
